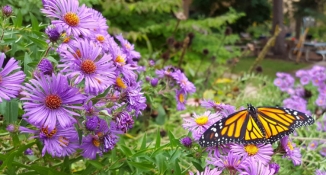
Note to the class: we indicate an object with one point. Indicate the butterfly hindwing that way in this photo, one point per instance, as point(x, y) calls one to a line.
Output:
point(279, 122)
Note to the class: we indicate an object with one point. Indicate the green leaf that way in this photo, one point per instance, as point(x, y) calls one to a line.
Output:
point(143, 144)
point(177, 169)
point(18, 21)
point(158, 138)
point(160, 119)
point(143, 166)
point(32, 64)
point(197, 165)
point(172, 139)
point(126, 150)
point(35, 24)
point(46, 170)
point(96, 164)
point(27, 59)
point(11, 113)
point(38, 42)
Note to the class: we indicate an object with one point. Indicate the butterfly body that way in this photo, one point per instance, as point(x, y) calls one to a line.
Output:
point(254, 126)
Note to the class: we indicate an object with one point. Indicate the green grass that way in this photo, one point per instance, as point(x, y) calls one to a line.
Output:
point(269, 66)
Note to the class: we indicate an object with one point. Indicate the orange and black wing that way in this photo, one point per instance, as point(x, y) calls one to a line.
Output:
point(278, 122)
point(239, 127)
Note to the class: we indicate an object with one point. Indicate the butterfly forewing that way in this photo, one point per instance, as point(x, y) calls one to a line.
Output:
point(226, 130)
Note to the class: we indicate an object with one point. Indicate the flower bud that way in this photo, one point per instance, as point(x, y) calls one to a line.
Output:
point(6, 11)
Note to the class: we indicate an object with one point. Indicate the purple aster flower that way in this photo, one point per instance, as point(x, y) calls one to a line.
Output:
point(231, 162)
point(313, 145)
point(128, 49)
point(198, 124)
point(6, 11)
point(323, 151)
point(259, 152)
point(91, 66)
point(101, 27)
point(28, 151)
point(148, 78)
point(124, 121)
point(120, 62)
point(91, 146)
point(111, 138)
point(53, 32)
point(256, 167)
point(321, 126)
point(275, 167)
point(207, 171)
point(151, 63)
point(74, 20)
point(304, 76)
point(317, 74)
point(154, 82)
point(186, 141)
point(135, 98)
point(102, 40)
point(322, 89)
point(58, 142)
point(321, 101)
point(49, 100)
point(183, 81)
point(291, 152)
point(45, 66)
point(90, 109)
point(284, 81)
point(11, 78)
point(10, 128)
point(297, 103)
point(181, 97)
point(166, 72)
point(320, 172)
point(223, 109)
point(91, 123)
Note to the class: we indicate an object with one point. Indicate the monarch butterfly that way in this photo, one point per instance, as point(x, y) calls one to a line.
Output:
point(255, 125)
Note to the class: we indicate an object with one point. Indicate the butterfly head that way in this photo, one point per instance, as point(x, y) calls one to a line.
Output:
point(251, 108)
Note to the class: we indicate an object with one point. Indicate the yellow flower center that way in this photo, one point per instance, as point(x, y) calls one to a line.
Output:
point(120, 60)
point(66, 39)
point(48, 134)
point(88, 66)
point(202, 120)
point(53, 101)
point(181, 98)
point(100, 38)
point(96, 142)
point(71, 19)
point(119, 82)
point(251, 149)
point(290, 146)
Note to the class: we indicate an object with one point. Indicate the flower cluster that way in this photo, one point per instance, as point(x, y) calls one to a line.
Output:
point(299, 95)
point(175, 80)
point(237, 158)
point(93, 88)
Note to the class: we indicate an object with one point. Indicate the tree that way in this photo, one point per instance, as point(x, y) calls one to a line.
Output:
point(279, 47)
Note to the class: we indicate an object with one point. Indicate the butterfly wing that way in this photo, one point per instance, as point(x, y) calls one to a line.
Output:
point(278, 121)
point(239, 127)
